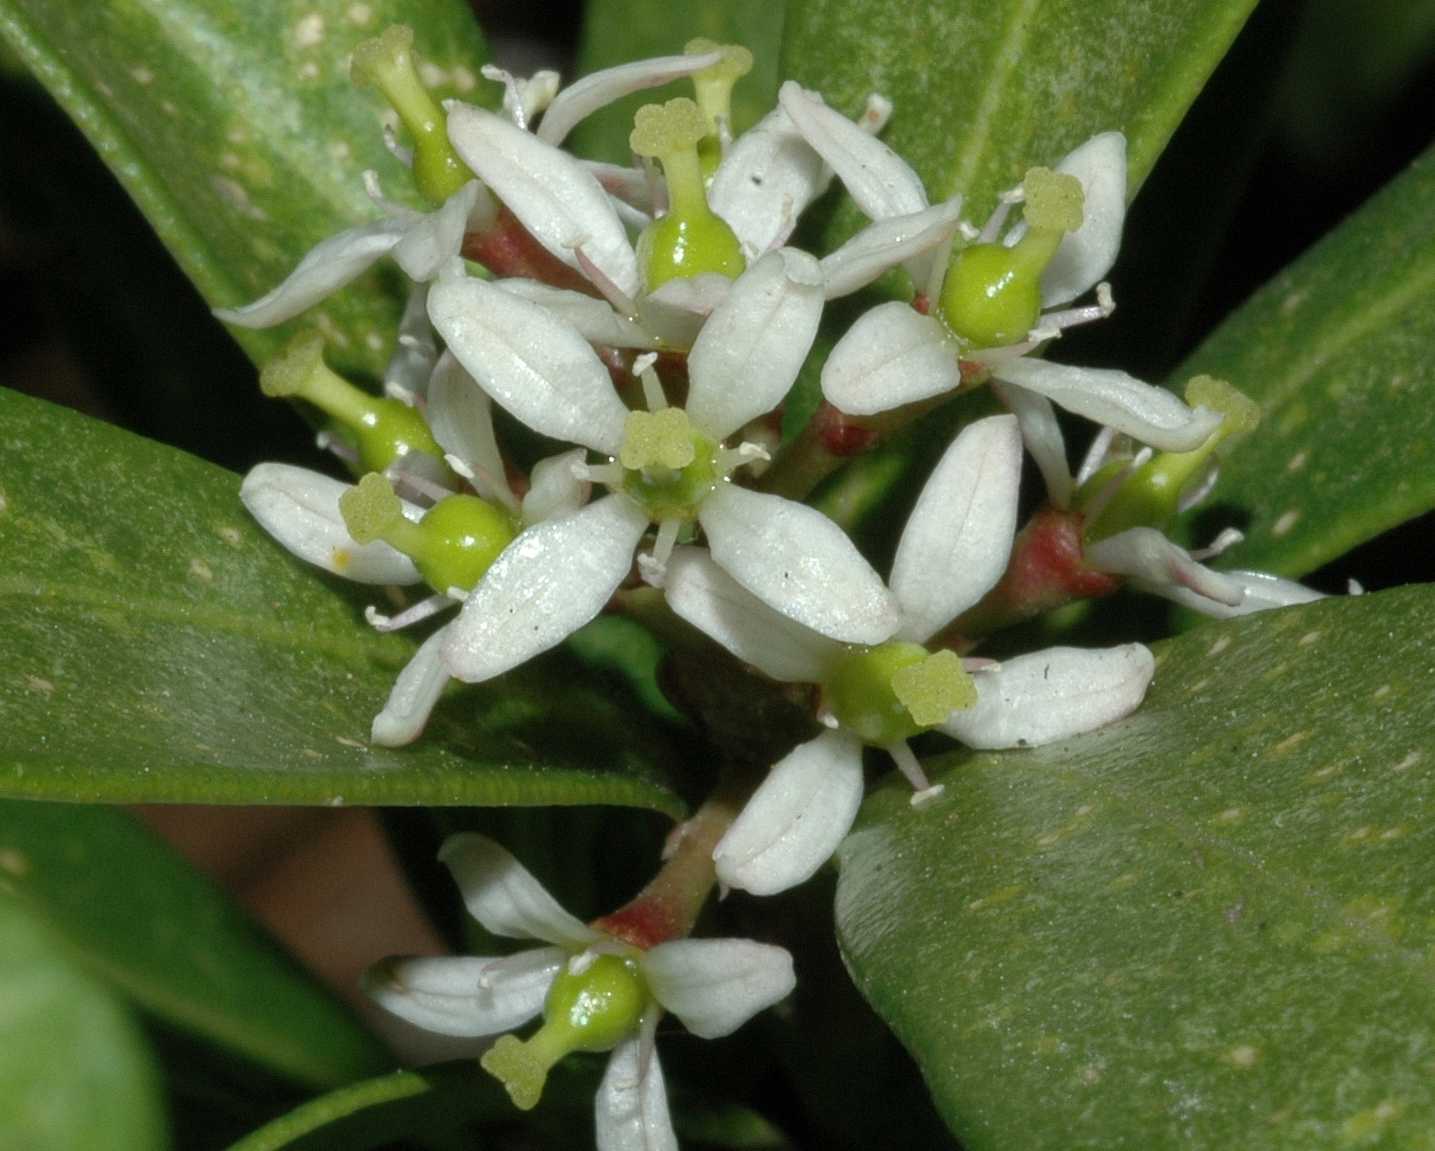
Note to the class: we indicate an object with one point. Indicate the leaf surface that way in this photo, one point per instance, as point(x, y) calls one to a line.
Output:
point(618, 31)
point(237, 131)
point(983, 90)
point(159, 647)
point(1208, 926)
point(75, 1072)
point(155, 930)
point(1337, 350)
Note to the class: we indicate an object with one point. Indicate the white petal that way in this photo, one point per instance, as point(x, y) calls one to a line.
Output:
point(1051, 695)
point(500, 893)
point(1149, 414)
point(764, 183)
point(631, 1110)
point(798, 562)
point(892, 356)
point(432, 240)
point(716, 604)
point(877, 178)
point(887, 243)
point(413, 695)
point(1262, 593)
point(958, 538)
point(553, 489)
point(749, 352)
point(552, 195)
point(676, 312)
point(300, 509)
point(324, 270)
point(1042, 436)
point(716, 985)
point(530, 361)
point(583, 97)
point(630, 185)
point(465, 996)
point(406, 376)
point(549, 582)
point(1156, 564)
point(593, 319)
point(1087, 254)
point(460, 416)
point(796, 818)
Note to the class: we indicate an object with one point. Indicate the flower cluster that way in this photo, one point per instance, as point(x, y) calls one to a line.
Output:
point(649, 321)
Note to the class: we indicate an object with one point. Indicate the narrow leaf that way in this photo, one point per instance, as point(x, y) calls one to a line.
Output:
point(163, 936)
point(983, 90)
point(238, 133)
point(75, 1072)
point(1207, 926)
point(1337, 350)
point(617, 31)
point(160, 647)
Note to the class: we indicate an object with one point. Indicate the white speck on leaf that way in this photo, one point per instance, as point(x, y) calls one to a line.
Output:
point(309, 31)
point(1285, 522)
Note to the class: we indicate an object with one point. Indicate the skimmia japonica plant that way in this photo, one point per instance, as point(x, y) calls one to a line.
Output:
point(698, 430)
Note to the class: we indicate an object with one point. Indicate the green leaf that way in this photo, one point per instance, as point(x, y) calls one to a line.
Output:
point(237, 131)
point(1208, 926)
point(148, 924)
point(618, 31)
point(75, 1073)
point(984, 89)
point(1337, 350)
point(160, 647)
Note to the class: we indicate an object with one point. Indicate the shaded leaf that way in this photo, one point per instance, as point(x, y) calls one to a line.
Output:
point(237, 131)
point(1208, 926)
point(982, 90)
point(75, 1073)
point(161, 934)
point(159, 647)
point(617, 31)
point(1337, 350)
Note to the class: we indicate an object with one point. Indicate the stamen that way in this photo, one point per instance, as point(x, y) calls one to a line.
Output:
point(1112, 486)
point(747, 452)
point(923, 791)
point(623, 303)
point(1071, 317)
point(875, 113)
point(1226, 539)
point(512, 98)
point(609, 474)
point(417, 613)
point(652, 386)
point(993, 227)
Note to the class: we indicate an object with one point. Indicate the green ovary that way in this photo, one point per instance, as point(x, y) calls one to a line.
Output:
point(593, 1009)
point(680, 247)
point(669, 467)
point(887, 694)
point(990, 298)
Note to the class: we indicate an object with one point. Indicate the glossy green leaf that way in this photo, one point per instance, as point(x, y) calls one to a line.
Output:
point(1208, 926)
point(1337, 350)
point(237, 131)
point(75, 1072)
point(148, 924)
point(160, 647)
point(618, 31)
point(984, 89)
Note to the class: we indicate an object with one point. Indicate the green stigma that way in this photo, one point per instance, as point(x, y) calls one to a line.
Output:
point(668, 466)
point(594, 1009)
point(1151, 495)
point(713, 87)
point(888, 694)
point(387, 63)
point(382, 429)
point(690, 240)
point(991, 296)
point(453, 545)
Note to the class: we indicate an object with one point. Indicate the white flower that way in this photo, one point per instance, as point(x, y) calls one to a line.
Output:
point(712, 985)
point(579, 211)
point(896, 355)
point(953, 550)
point(302, 510)
point(666, 465)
